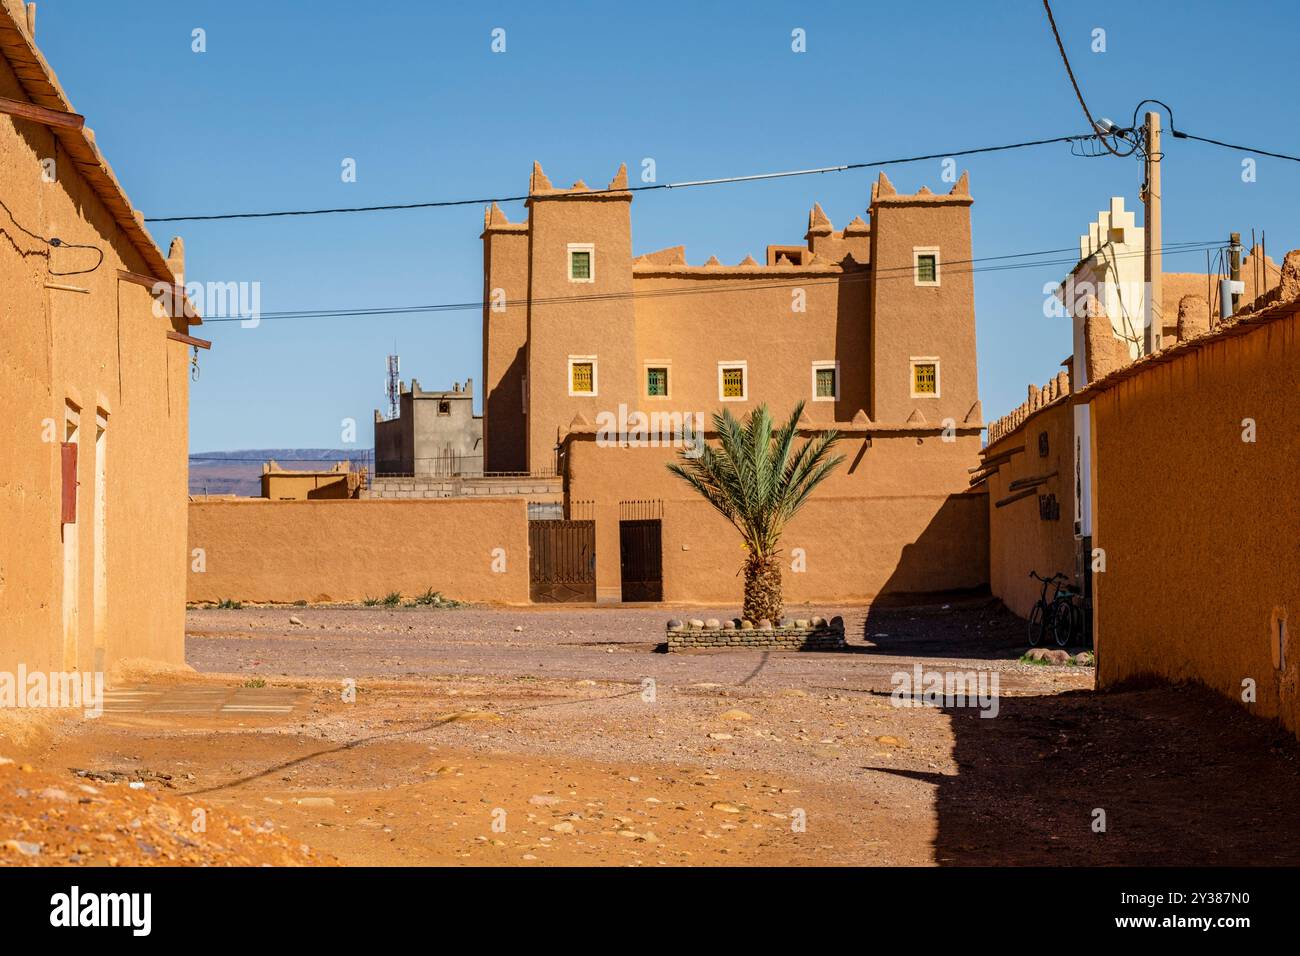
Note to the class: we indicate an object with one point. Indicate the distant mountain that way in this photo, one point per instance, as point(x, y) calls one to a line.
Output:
point(239, 472)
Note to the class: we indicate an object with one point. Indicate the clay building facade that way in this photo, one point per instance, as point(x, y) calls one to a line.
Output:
point(862, 319)
point(588, 346)
point(94, 380)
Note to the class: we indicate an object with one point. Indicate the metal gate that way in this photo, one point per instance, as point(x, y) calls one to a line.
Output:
point(641, 557)
point(562, 561)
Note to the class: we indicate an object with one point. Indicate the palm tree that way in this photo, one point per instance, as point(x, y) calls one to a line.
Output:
point(757, 480)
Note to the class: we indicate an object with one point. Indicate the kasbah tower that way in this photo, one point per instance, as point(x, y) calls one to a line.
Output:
point(872, 325)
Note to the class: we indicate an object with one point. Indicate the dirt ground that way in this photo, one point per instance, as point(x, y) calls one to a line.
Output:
point(557, 736)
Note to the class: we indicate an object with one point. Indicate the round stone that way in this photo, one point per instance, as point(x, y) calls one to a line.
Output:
point(712, 623)
point(765, 625)
point(696, 622)
point(746, 625)
point(675, 625)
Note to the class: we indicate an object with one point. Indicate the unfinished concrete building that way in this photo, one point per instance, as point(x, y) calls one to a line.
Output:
point(435, 434)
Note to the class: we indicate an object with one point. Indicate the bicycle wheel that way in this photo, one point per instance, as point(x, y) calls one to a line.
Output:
point(1063, 629)
point(1037, 624)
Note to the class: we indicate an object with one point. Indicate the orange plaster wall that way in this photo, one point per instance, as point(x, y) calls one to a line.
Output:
point(348, 550)
point(1019, 540)
point(505, 350)
point(1198, 570)
point(854, 549)
point(105, 350)
point(894, 517)
point(752, 320)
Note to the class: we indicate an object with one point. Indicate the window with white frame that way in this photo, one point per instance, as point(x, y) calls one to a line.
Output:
point(825, 381)
point(925, 377)
point(733, 381)
point(657, 375)
point(582, 375)
point(925, 261)
point(582, 262)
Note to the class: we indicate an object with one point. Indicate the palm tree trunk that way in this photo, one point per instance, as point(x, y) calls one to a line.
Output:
point(763, 589)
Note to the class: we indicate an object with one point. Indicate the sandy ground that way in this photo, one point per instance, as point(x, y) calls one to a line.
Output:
point(564, 737)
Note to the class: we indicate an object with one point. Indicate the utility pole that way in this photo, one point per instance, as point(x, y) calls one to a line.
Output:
point(1153, 258)
point(1234, 269)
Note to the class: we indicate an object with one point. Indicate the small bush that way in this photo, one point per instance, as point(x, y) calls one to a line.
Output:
point(370, 602)
point(392, 599)
point(225, 604)
point(432, 598)
point(255, 682)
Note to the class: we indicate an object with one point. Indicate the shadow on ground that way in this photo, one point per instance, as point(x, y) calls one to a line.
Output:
point(978, 629)
point(1183, 777)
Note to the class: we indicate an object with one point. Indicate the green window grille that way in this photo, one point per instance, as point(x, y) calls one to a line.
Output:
point(733, 383)
point(579, 265)
point(656, 381)
point(582, 376)
point(825, 383)
point(927, 269)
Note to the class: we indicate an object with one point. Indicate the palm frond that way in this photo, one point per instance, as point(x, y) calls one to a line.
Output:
point(755, 477)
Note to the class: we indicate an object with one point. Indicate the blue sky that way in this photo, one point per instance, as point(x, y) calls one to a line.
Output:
point(411, 90)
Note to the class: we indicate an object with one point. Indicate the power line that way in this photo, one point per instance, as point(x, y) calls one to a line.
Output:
point(900, 272)
point(1179, 134)
point(1069, 71)
point(755, 177)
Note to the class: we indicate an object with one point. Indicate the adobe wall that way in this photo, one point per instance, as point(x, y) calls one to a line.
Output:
point(577, 318)
point(896, 516)
point(1198, 571)
point(750, 319)
point(913, 321)
point(854, 549)
point(104, 350)
point(505, 344)
point(285, 485)
point(1020, 539)
point(348, 550)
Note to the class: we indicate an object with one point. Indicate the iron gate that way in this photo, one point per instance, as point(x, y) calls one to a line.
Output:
point(561, 561)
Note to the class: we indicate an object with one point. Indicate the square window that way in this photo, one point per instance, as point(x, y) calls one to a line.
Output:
point(925, 379)
point(656, 382)
point(444, 407)
point(582, 378)
point(826, 385)
point(733, 381)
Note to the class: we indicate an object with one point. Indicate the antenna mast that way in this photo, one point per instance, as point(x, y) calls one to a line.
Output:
point(392, 386)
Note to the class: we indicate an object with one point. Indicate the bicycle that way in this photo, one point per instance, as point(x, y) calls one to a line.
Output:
point(1067, 617)
point(1044, 613)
